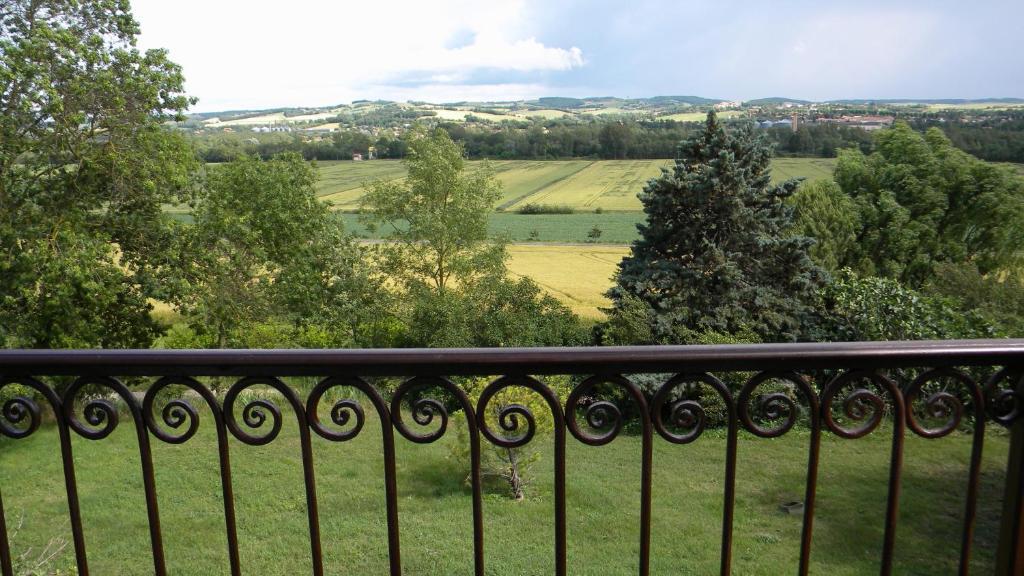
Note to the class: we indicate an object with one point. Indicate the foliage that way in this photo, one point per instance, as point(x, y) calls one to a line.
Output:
point(264, 247)
point(494, 313)
point(920, 201)
point(437, 216)
point(823, 212)
point(531, 208)
point(873, 308)
point(999, 298)
point(85, 167)
point(713, 253)
point(511, 466)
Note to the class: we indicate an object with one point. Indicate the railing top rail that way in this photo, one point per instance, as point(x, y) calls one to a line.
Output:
point(467, 361)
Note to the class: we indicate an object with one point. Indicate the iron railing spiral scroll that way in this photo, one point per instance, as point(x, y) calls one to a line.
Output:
point(848, 391)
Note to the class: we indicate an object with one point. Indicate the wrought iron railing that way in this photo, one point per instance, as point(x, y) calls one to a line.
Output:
point(846, 389)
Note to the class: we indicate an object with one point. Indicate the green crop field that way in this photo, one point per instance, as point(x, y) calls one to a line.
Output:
point(607, 184)
point(582, 184)
point(810, 168)
point(615, 227)
point(435, 515)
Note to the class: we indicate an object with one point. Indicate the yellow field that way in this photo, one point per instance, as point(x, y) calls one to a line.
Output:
point(521, 178)
point(607, 184)
point(576, 275)
point(460, 115)
point(546, 114)
point(611, 185)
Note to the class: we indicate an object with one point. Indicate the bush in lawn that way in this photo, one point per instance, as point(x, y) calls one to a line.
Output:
point(511, 467)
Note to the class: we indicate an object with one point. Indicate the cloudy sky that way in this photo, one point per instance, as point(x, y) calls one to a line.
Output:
point(269, 53)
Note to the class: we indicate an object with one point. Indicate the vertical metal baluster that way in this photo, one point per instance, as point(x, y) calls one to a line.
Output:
point(895, 478)
point(974, 482)
point(729, 505)
point(477, 486)
point(227, 489)
point(812, 480)
point(310, 482)
point(1010, 553)
point(5, 547)
point(560, 531)
point(391, 498)
point(647, 464)
point(71, 487)
point(149, 485)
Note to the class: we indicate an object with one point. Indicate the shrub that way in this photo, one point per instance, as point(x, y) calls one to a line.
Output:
point(531, 208)
point(856, 308)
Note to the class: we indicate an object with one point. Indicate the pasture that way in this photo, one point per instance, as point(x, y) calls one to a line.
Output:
point(435, 504)
point(586, 185)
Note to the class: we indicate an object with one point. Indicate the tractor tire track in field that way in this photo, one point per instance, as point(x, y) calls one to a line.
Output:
point(501, 207)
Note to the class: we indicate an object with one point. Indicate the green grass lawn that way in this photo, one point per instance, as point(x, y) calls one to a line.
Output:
point(434, 505)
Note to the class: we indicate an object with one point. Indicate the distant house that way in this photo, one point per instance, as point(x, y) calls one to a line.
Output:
point(357, 157)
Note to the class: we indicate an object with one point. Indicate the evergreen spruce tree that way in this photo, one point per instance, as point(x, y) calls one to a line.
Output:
point(714, 253)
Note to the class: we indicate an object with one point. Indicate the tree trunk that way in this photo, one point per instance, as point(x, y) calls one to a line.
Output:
point(515, 481)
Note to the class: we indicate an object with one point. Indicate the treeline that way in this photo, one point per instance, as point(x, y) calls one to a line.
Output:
point(993, 138)
point(510, 141)
point(824, 140)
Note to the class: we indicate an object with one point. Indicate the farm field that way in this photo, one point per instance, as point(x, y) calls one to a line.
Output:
point(610, 185)
point(435, 504)
point(577, 275)
point(615, 227)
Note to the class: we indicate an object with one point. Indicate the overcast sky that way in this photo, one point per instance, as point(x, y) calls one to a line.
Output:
point(272, 53)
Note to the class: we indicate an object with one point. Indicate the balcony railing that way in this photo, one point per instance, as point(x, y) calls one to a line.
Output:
point(929, 389)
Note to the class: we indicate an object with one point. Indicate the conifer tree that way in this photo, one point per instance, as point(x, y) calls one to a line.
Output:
point(714, 253)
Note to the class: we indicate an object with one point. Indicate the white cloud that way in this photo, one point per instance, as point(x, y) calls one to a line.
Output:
point(304, 52)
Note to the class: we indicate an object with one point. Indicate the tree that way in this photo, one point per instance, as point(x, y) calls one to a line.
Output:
point(85, 168)
point(822, 211)
point(873, 308)
point(266, 249)
point(919, 201)
point(615, 138)
point(714, 252)
point(494, 312)
point(437, 217)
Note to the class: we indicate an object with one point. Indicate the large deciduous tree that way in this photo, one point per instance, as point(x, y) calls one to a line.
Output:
point(920, 201)
point(714, 253)
point(267, 250)
point(437, 217)
point(85, 166)
point(450, 272)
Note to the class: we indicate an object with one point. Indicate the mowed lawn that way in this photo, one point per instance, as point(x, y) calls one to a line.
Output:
point(435, 506)
point(585, 185)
